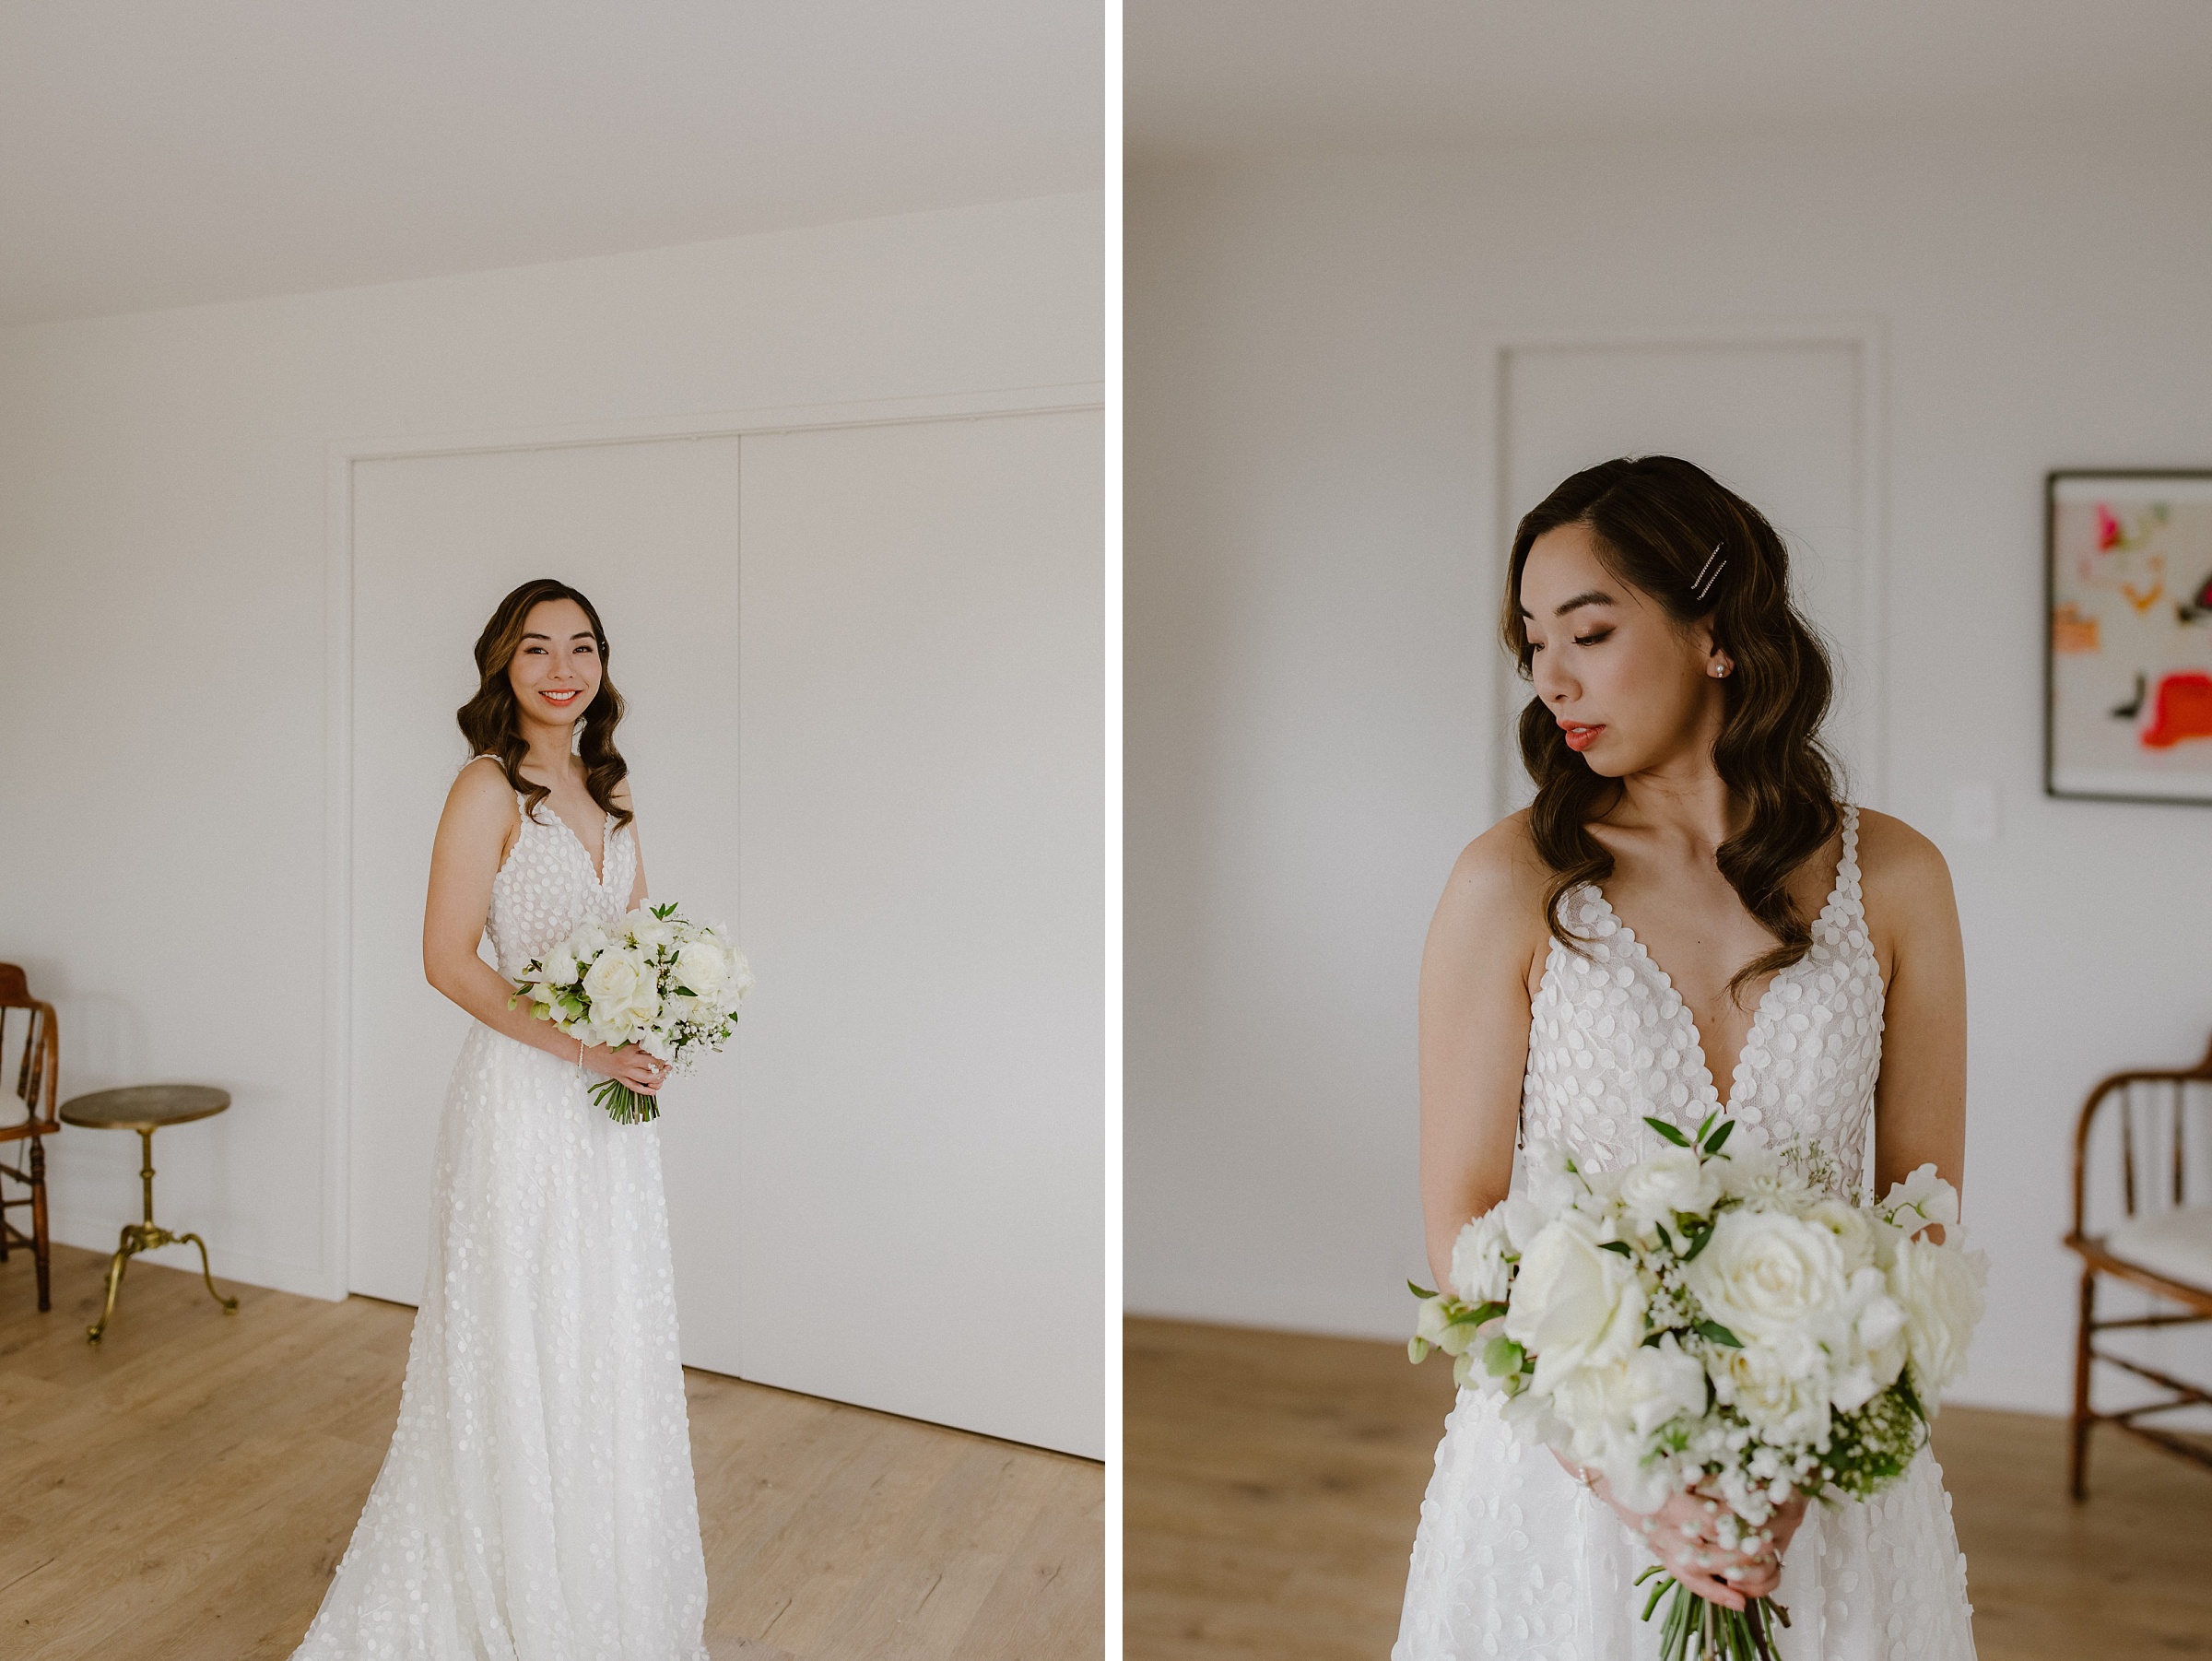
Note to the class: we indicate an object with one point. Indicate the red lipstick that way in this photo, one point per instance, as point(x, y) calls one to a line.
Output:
point(1580, 737)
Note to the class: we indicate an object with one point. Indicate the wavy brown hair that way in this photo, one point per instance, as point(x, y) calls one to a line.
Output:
point(1656, 520)
point(491, 721)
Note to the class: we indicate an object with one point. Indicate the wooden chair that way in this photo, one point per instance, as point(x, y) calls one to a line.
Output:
point(37, 1081)
point(2162, 1245)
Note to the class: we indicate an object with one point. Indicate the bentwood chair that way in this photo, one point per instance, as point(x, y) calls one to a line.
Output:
point(2158, 1125)
point(37, 1079)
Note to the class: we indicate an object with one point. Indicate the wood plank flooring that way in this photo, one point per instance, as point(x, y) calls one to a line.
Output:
point(1273, 1481)
point(183, 1491)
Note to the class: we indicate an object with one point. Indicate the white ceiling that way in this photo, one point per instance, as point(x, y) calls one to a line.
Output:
point(1255, 75)
point(165, 153)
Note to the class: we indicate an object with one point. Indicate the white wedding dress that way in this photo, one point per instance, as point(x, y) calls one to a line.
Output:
point(1515, 1558)
point(536, 1502)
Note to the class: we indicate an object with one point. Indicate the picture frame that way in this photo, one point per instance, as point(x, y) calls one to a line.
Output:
point(2127, 635)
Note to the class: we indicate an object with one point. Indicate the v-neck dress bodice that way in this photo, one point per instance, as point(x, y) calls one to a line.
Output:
point(1514, 1557)
point(548, 886)
point(1611, 1041)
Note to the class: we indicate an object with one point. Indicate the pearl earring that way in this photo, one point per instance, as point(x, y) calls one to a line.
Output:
point(1719, 670)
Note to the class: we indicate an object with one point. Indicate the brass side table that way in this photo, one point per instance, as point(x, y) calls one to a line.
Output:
point(146, 1108)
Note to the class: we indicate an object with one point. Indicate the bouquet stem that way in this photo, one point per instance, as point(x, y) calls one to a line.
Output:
point(1694, 1629)
point(624, 1105)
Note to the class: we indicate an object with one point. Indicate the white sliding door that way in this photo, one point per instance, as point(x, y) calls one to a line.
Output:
point(918, 1209)
point(864, 672)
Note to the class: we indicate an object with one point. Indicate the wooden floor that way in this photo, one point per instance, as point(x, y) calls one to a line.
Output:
point(1273, 1482)
point(183, 1492)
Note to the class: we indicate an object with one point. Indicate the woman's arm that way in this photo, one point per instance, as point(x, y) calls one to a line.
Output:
point(474, 835)
point(1920, 1098)
point(1474, 1031)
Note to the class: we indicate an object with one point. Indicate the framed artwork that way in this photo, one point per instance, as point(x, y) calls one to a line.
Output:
point(2127, 680)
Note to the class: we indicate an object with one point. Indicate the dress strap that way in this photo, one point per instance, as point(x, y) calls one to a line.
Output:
point(1847, 904)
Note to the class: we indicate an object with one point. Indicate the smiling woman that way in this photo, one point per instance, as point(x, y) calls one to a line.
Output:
point(520, 662)
point(538, 1499)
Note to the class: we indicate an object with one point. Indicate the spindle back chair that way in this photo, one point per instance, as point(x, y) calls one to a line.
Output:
point(2161, 1243)
point(36, 1083)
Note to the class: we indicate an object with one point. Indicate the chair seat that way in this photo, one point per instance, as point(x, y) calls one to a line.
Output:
point(2176, 1245)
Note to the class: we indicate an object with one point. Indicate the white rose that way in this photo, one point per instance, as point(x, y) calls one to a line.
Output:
point(1766, 1277)
point(1605, 1415)
point(1574, 1303)
point(1479, 1271)
point(704, 967)
point(1869, 1352)
point(1587, 1415)
point(649, 931)
point(645, 1008)
point(587, 941)
point(1940, 1288)
point(1662, 1383)
point(622, 991)
point(1672, 1181)
point(615, 979)
point(1524, 1220)
point(1850, 1225)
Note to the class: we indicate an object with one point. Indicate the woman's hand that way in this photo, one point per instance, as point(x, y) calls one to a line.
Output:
point(632, 1066)
point(1683, 1534)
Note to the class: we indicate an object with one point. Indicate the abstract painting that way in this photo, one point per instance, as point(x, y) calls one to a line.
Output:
point(2128, 680)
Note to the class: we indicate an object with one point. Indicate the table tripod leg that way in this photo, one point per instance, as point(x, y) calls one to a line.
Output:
point(229, 1304)
point(116, 1264)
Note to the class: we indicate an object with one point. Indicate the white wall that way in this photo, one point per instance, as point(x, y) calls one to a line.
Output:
point(1310, 623)
point(162, 551)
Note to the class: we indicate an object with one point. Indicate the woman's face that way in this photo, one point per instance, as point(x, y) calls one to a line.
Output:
point(1631, 690)
point(556, 669)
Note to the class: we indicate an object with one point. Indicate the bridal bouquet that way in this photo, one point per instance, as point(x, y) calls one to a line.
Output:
point(669, 986)
point(1716, 1322)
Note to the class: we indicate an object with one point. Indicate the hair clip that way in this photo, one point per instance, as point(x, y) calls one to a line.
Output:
point(1701, 585)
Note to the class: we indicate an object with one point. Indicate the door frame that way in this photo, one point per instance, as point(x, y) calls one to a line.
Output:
point(1866, 338)
point(333, 1266)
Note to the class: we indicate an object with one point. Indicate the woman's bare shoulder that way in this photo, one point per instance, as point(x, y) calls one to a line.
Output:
point(481, 792)
point(1499, 879)
point(1900, 869)
point(1891, 850)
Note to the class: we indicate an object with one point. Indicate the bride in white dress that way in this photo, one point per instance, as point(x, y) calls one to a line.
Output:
point(1674, 737)
point(537, 1503)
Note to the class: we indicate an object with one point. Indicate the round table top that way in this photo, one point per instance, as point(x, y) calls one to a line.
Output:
point(144, 1106)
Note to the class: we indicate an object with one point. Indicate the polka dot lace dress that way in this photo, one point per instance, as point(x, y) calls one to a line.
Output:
point(537, 1503)
point(1514, 1557)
